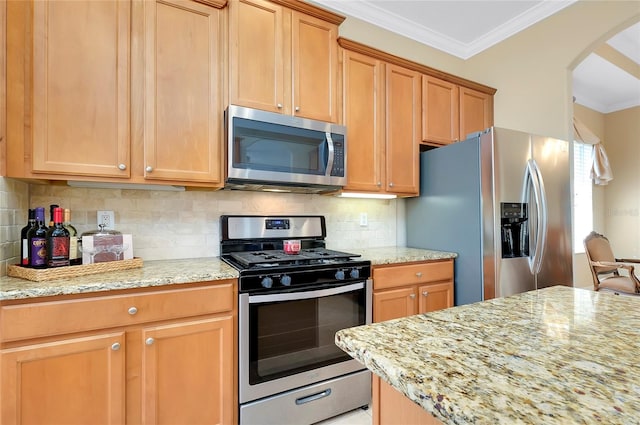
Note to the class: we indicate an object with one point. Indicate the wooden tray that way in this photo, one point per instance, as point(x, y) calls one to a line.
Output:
point(39, 275)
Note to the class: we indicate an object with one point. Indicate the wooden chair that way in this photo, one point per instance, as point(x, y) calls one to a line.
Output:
point(605, 268)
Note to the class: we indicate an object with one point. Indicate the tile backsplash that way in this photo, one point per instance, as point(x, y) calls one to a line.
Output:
point(172, 225)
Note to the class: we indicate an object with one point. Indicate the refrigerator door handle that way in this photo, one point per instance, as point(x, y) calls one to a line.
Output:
point(533, 178)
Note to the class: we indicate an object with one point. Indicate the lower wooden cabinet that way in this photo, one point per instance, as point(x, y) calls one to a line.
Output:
point(399, 291)
point(143, 370)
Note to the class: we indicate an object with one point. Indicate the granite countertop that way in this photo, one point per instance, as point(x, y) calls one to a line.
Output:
point(557, 355)
point(397, 255)
point(153, 273)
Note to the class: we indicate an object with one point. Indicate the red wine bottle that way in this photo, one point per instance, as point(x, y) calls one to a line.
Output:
point(37, 242)
point(24, 242)
point(57, 241)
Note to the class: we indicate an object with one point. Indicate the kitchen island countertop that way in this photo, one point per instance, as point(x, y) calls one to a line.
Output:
point(153, 273)
point(557, 355)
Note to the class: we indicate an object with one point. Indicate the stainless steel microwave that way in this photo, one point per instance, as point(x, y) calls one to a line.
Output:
point(270, 151)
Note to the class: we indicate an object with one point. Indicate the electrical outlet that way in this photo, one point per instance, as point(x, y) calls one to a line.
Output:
point(364, 221)
point(107, 218)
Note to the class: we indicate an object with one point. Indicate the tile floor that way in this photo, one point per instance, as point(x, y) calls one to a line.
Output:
point(354, 417)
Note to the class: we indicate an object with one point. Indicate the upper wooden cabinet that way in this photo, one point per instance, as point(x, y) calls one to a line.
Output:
point(182, 91)
point(127, 91)
point(381, 110)
point(451, 111)
point(283, 58)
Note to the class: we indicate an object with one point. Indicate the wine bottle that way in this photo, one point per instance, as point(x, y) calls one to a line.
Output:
point(74, 254)
point(24, 242)
point(51, 208)
point(37, 242)
point(57, 241)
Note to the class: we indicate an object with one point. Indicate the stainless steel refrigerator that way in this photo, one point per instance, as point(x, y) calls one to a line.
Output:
point(502, 200)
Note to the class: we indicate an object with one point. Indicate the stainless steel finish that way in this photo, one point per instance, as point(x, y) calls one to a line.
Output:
point(122, 167)
point(533, 180)
point(148, 169)
point(254, 227)
point(132, 310)
point(332, 153)
point(293, 296)
point(314, 397)
point(251, 179)
point(342, 394)
point(149, 341)
point(115, 346)
point(253, 392)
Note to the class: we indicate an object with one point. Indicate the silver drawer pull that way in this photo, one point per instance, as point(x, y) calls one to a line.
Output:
point(149, 341)
point(313, 397)
point(115, 346)
point(412, 296)
point(132, 310)
point(425, 293)
point(419, 274)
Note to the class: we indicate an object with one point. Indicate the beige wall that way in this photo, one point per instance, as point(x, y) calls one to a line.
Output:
point(14, 203)
point(622, 195)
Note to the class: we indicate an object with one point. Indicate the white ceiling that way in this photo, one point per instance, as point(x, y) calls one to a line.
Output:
point(464, 28)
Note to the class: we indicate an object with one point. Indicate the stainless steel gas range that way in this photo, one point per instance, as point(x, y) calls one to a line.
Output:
point(290, 307)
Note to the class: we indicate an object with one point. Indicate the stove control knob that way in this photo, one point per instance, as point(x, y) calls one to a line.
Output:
point(354, 273)
point(266, 282)
point(340, 275)
point(285, 280)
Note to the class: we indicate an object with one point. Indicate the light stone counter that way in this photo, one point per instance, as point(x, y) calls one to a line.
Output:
point(153, 273)
point(397, 255)
point(553, 356)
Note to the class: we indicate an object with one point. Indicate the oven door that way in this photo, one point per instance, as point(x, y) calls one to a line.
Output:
point(287, 340)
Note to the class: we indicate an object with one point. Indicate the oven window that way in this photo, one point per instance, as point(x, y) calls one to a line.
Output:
point(290, 337)
point(270, 147)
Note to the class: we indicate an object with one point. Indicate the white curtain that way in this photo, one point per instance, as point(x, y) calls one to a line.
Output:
point(600, 170)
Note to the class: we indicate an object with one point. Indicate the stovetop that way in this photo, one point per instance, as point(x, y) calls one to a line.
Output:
point(278, 258)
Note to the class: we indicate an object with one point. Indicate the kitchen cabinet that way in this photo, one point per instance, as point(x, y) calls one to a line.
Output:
point(283, 57)
point(400, 291)
point(382, 114)
point(182, 68)
point(451, 111)
point(122, 358)
point(127, 91)
point(3, 99)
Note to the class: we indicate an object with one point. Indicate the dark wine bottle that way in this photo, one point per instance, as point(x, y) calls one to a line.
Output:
point(24, 242)
point(57, 241)
point(51, 208)
point(37, 242)
point(75, 257)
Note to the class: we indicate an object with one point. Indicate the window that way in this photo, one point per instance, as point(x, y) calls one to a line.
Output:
point(582, 194)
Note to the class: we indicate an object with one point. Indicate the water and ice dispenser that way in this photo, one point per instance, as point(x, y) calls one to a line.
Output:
point(514, 225)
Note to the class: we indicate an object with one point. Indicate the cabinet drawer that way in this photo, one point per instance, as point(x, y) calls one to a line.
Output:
point(77, 315)
point(392, 276)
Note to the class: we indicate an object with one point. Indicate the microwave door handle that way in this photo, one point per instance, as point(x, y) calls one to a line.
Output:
point(329, 141)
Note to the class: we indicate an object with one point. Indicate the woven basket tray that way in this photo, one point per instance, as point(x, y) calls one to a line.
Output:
point(39, 275)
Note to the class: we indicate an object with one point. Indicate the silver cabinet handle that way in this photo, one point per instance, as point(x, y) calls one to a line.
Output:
point(132, 310)
point(412, 296)
point(379, 184)
point(149, 341)
point(419, 274)
point(122, 167)
point(115, 346)
point(148, 169)
point(390, 184)
point(297, 108)
point(425, 293)
point(279, 105)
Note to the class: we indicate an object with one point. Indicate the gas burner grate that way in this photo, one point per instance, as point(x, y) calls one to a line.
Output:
point(269, 258)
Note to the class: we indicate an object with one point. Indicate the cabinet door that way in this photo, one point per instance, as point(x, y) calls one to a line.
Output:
point(394, 303)
point(71, 381)
point(403, 122)
point(315, 67)
point(440, 120)
point(80, 93)
point(363, 82)
point(183, 106)
point(399, 409)
point(435, 296)
point(257, 54)
point(187, 372)
point(476, 111)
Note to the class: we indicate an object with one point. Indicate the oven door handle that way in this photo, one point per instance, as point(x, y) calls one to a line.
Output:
point(305, 295)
